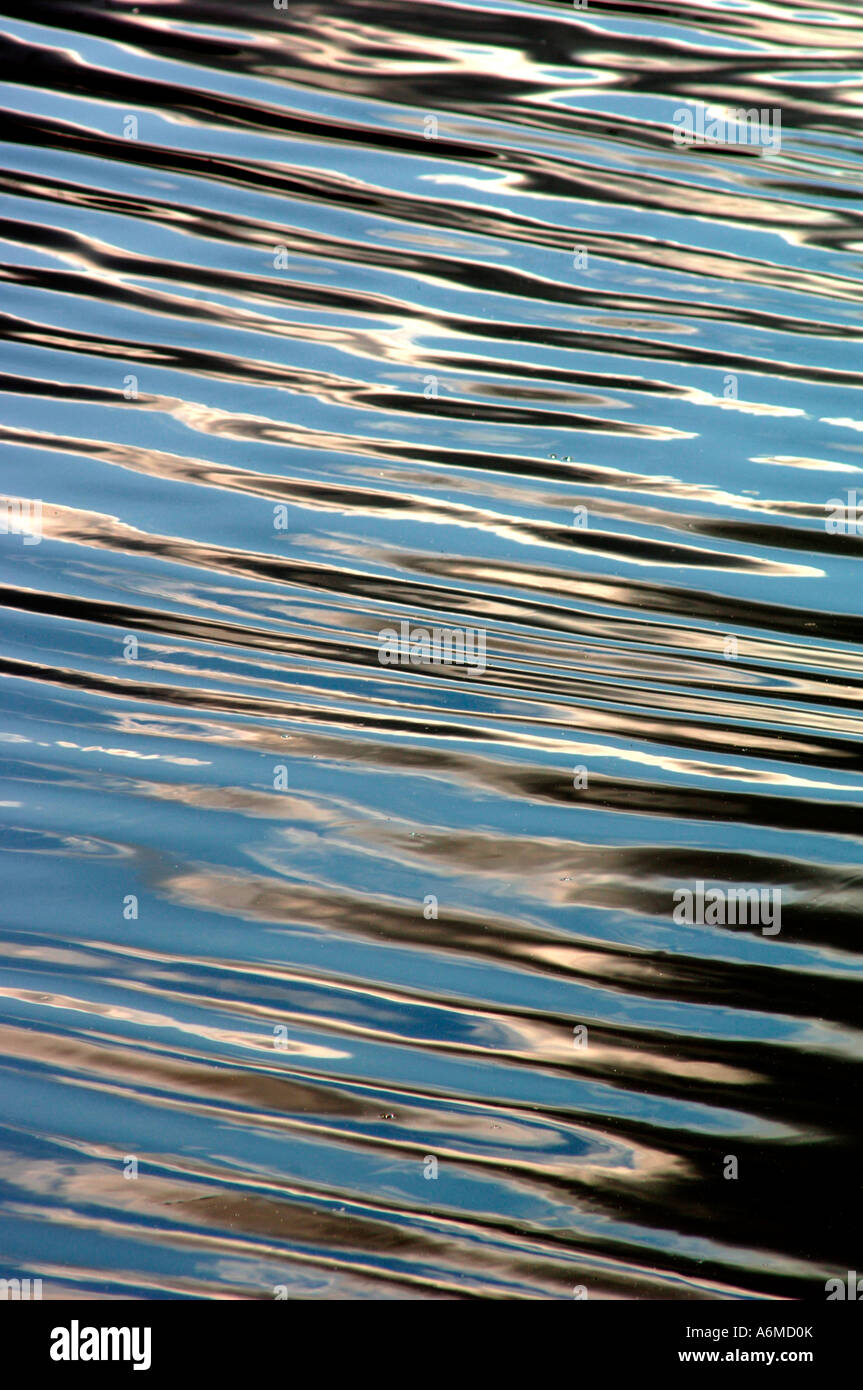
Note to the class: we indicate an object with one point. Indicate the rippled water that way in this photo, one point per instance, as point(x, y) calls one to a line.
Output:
point(323, 320)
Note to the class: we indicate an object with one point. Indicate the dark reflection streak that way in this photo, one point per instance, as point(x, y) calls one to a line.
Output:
point(820, 751)
point(728, 75)
point(651, 972)
point(211, 630)
point(223, 365)
point(127, 265)
point(835, 229)
point(380, 503)
point(651, 251)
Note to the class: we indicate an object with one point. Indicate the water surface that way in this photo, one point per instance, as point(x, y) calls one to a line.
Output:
point(322, 320)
